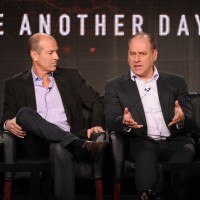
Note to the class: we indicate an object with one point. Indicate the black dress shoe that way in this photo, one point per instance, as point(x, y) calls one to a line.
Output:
point(150, 195)
point(146, 195)
point(94, 148)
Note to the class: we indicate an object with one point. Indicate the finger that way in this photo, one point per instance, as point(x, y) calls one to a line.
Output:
point(18, 127)
point(172, 123)
point(98, 129)
point(175, 118)
point(125, 110)
point(20, 135)
point(89, 135)
point(136, 126)
point(177, 103)
point(89, 132)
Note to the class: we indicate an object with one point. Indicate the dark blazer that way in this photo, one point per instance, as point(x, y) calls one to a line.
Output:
point(122, 92)
point(75, 93)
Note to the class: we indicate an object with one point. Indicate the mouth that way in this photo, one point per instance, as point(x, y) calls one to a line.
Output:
point(137, 66)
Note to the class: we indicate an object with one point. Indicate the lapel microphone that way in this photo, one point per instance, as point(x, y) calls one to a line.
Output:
point(147, 89)
point(49, 88)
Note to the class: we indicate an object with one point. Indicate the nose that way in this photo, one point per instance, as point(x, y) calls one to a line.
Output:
point(55, 56)
point(137, 58)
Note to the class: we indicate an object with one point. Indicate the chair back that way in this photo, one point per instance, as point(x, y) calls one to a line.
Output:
point(195, 100)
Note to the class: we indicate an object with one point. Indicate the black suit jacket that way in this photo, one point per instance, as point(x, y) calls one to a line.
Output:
point(122, 92)
point(75, 93)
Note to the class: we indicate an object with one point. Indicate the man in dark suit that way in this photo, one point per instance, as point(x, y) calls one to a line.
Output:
point(152, 112)
point(44, 105)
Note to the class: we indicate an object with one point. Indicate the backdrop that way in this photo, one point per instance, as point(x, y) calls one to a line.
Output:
point(93, 35)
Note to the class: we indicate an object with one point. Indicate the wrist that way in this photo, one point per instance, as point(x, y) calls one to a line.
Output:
point(4, 125)
point(180, 125)
point(126, 128)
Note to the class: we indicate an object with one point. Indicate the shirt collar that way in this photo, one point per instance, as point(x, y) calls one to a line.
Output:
point(155, 74)
point(36, 78)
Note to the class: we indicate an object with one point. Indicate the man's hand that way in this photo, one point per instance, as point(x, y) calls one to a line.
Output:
point(96, 129)
point(129, 121)
point(178, 114)
point(14, 128)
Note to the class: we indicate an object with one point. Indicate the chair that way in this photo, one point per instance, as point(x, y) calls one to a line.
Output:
point(39, 169)
point(124, 168)
point(192, 169)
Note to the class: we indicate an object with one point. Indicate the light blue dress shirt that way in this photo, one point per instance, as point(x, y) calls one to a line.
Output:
point(156, 126)
point(49, 102)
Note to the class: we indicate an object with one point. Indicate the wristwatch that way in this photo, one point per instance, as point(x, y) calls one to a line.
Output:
point(126, 128)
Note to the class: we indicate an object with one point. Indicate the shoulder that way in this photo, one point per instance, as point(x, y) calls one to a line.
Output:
point(19, 77)
point(171, 76)
point(67, 71)
point(118, 79)
point(70, 76)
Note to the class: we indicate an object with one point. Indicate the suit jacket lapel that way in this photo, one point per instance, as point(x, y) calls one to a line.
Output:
point(133, 93)
point(64, 89)
point(29, 90)
point(164, 97)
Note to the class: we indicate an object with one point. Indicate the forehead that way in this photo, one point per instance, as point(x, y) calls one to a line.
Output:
point(139, 44)
point(48, 43)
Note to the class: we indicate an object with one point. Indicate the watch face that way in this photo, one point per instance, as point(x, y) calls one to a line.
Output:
point(126, 128)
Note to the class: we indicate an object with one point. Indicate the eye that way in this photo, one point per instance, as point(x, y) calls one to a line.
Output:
point(143, 53)
point(131, 53)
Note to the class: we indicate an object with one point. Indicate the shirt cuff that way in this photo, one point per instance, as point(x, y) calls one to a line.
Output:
point(4, 125)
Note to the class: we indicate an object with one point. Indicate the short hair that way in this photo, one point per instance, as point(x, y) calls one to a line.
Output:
point(34, 42)
point(143, 34)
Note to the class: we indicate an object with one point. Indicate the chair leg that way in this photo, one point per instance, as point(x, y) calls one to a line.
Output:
point(7, 189)
point(117, 189)
point(99, 189)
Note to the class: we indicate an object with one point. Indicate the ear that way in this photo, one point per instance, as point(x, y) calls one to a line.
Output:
point(34, 55)
point(155, 54)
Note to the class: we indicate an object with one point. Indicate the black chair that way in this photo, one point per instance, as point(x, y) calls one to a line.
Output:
point(39, 169)
point(190, 170)
point(124, 168)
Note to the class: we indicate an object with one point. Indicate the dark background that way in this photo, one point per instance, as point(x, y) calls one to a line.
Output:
point(101, 57)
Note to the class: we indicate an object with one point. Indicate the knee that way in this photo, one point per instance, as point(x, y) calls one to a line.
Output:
point(24, 112)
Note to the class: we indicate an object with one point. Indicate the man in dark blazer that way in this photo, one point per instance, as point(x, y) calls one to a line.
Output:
point(152, 112)
point(44, 106)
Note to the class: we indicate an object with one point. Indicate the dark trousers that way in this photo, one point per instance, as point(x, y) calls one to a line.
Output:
point(62, 159)
point(147, 153)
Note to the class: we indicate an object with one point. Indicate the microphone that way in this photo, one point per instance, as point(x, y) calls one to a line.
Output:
point(147, 89)
point(49, 88)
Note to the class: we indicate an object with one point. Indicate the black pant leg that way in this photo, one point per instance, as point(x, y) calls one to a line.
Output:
point(33, 123)
point(145, 154)
point(63, 172)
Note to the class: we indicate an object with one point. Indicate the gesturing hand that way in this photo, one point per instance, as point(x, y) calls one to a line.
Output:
point(129, 121)
point(178, 114)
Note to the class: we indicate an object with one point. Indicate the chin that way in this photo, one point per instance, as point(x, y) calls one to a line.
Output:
point(53, 68)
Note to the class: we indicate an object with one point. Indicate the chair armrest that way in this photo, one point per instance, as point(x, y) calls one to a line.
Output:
point(117, 150)
point(98, 164)
point(8, 151)
point(197, 144)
